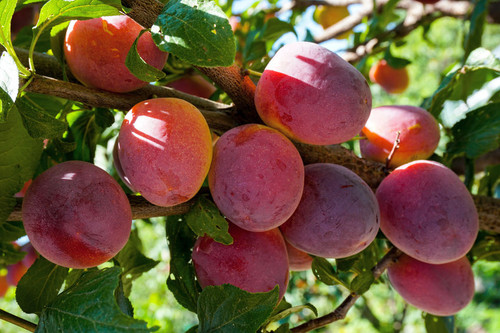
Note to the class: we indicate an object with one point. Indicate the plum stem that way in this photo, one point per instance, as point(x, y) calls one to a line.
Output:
point(395, 146)
point(20, 322)
point(252, 72)
point(341, 311)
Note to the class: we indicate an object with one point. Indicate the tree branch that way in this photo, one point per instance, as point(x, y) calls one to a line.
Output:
point(341, 311)
point(218, 115)
point(19, 322)
point(417, 15)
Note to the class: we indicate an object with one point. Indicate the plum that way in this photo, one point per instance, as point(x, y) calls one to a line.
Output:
point(392, 80)
point(337, 216)
point(256, 178)
point(298, 260)
point(96, 50)
point(312, 95)
point(76, 215)
point(255, 261)
point(419, 134)
point(427, 212)
point(441, 290)
point(164, 150)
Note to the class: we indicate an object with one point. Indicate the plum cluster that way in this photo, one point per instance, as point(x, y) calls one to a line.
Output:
point(279, 211)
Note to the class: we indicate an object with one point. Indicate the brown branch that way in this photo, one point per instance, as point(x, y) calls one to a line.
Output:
point(417, 15)
point(217, 114)
point(341, 311)
point(15, 320)
point(141, 209)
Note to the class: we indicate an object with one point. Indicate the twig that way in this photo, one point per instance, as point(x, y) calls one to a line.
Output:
point(20, 322)
point(395, 146)
point(341, 311)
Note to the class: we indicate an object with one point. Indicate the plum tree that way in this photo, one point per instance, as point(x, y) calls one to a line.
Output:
point(419, 134)
point(327, 16)
point(322, 100)
point(325, 223)
point(312, 95)
point(427, 212)
point(393, 80)
point(96, 50)
point(256, 178)
point(165, 149)
point(298, 260)
point(76, 215)
point(442, 289)
point(255, 261)
point(193, 84)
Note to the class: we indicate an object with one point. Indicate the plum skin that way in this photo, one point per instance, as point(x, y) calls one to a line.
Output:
point(194, 84)
point(256, 177)
point(419, 134)
point(312, 95)
point(76, 215)
point(298, 260)
point(255, 261)
point(427, 212)
point(441, 290)
point(165, 149)
point(96, 50)
point(337, 216)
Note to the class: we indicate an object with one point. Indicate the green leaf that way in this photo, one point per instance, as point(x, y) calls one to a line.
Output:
point(9, 255)
point(477, 134)
point(436, 324)
point(197, 31)
point(123, 302)
point(182, 283)
point(133, 262)
point(20, 156)
point(140, 68)
point(395, 62)
point(57, 36)
point(11, 230)
point(489, 181)
point(9, 84)
point(477, 21)
point(260, 40)
point(85, 130)
point(204, 218)
point(362, 282)
point(285, 328)
point(480, 68)
point(182, 278)
point(7, 8)
point(325, 272)
point(227, 308)
point(40, 285)
point(39, 123)
point(486, 247)
point(89, 306)
point(56, 12)
point(289, 311)
point(361, 262)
